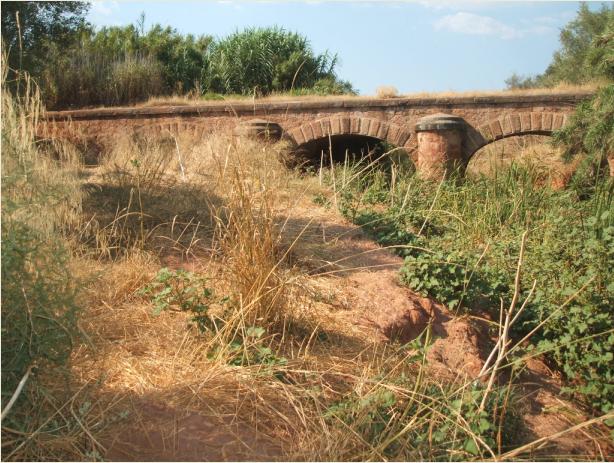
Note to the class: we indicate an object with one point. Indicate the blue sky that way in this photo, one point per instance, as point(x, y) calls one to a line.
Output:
point(414, 46)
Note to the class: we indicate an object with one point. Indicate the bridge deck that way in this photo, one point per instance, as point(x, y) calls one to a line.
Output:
point(219, 108)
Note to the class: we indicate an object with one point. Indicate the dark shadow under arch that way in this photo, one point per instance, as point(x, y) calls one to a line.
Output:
point(342, 147)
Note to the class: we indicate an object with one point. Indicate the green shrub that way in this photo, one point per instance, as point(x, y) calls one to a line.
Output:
point(265, 60)
point(455, 279)
point(586, 53)
point(460, 241)
point(574, 253)
point(85, 78)
point(409, 418)
point(39, 313)
point(186, 292)
point(590, 132)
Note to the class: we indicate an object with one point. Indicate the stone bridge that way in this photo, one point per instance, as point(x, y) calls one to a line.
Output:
point(443, 129)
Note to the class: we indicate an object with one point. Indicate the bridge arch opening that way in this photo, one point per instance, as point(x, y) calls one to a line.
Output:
point(532, 149)
point(350, 146)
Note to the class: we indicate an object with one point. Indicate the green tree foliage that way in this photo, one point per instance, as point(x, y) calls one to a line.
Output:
point(590, 134)
point(181, 56)
point(78, 65)
point(518, 82)
point(119, 65)
point(586, 53)
point(265, 60)
point(28, 29)
point(579, 39)
point(591, 128)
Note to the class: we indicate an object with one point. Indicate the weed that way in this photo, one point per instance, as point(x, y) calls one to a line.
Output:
point(459, 241)
point(186, 292)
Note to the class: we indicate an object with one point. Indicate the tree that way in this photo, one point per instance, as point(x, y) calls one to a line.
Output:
point(586, 53)
point(29, 27)
point(517, 82)
point(181, 56)
point(578, 40)
point(591, 130)
point(264, 60)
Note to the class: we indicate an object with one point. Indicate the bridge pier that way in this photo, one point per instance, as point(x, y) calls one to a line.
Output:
point(440, 145)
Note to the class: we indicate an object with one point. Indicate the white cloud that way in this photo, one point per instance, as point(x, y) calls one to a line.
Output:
point(104, 8)
point(473, 24)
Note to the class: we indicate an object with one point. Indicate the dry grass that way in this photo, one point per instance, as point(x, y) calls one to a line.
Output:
point(167, 374)
point(230, 212)
point(535, 151)
point(386, 91)
point(382, 92)
point(559, 89)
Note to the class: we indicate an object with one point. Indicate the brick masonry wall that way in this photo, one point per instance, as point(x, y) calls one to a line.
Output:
point(489, 118)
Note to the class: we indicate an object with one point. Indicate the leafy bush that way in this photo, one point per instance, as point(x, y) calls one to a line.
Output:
point(39, 313)
point(185, 291)
point(78, 65)
point(461, 241)
point(180, 57)
point(405, 417)
point(571, 261)
point(590, 132)
point(454, 278)
point(85, 78)
point(265, 60)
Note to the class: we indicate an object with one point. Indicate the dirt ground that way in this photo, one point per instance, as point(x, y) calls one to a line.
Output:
point(179, 408)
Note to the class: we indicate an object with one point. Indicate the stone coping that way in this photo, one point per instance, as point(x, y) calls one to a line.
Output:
point(364, 104)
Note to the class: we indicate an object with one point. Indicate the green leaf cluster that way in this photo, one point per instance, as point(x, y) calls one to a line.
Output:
point(186, 292)
point(78, 65)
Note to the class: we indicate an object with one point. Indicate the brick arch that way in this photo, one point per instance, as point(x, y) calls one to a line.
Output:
point(365, 126)
point(512, 125)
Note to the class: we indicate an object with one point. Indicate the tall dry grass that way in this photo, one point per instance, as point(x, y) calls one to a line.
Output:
point(46, 414)
point(226, 212)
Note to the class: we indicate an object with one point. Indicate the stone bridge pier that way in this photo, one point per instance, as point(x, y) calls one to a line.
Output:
point(440, 146)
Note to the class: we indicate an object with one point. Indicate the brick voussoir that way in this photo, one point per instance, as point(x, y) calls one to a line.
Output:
point(345, 125)
point(316, 128)
point(382, 133)
point(326, 127)
point(393, 132)
point(516, 124)
point(365, 123)
point(336, 126)
point(536, 121)
point(374, 128)
point(506, 125)
point(297, 135)
point(496, 130)
point(402, 137)
point(525, 119)
point(307, 132)
point(486, 132)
